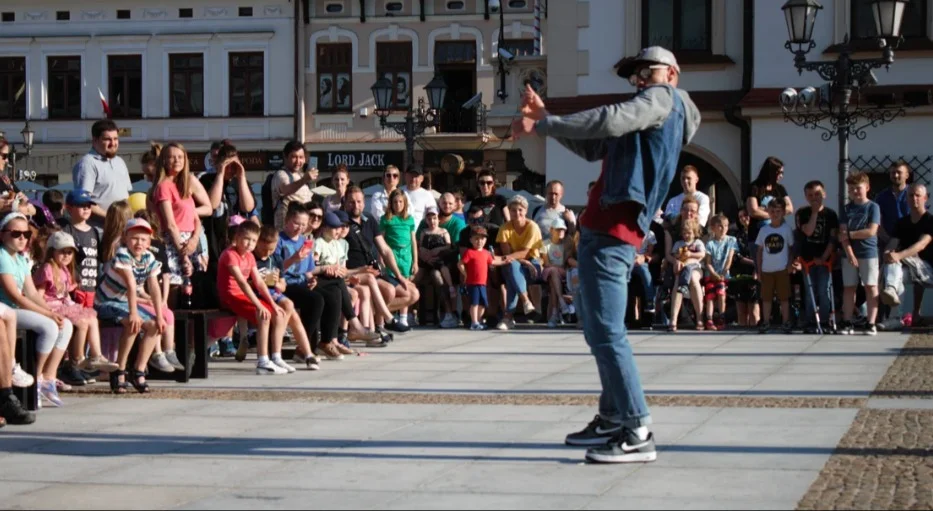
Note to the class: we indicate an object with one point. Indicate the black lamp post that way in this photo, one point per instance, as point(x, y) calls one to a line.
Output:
point(28, 139)
point(416, 121)
point(502, 93)
point(846, 76)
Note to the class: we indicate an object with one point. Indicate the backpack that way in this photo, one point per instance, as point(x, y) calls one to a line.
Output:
point(267, 214)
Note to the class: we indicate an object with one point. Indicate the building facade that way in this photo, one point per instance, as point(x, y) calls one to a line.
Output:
point(172, 71)
point(350, 44)
point(735, 66)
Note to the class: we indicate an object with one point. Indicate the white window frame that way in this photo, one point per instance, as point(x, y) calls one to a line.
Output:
point(72, 47)
point(19, 47)
point(187, 43)
point(225, 88)
point(126, 45)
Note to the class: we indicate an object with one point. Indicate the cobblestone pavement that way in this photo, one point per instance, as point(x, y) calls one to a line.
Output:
point(466, 420)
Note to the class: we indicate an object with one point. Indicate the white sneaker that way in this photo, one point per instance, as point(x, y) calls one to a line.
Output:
point(158, 361)
point(571, 310)
point(889, 297)
point(528, 308)
point(283, 364)
point(564, 307)
point(506, 324)
point(449, 321)
point(267, 368)
point(21, 378)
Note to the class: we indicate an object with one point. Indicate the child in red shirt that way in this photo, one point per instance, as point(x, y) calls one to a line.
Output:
point(236, 266)
point(474, 268)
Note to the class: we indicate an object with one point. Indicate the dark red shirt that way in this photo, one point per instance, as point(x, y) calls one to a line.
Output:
point(618, 220)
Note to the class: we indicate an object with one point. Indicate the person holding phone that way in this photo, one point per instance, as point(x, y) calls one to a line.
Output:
point(294, 182)
point(230, 195)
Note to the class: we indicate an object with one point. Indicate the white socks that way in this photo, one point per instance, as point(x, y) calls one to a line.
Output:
point(641, 432)
point(277, 356)
point(263, 360)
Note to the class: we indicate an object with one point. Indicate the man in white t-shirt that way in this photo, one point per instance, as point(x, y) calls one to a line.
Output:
point(380, 200)
point(689, 178)
point(419, 198)
point(552, 209)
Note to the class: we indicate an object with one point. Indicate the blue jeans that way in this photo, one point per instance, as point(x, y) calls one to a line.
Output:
point(517, 276)
point(605, 270)
point(819, 279)
point(644, 274)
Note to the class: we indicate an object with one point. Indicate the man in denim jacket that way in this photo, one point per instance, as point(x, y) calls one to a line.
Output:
point(639, 143)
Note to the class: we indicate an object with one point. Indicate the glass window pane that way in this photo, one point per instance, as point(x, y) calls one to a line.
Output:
point(915, 19)
point(325, 92)
point(694, 34)
point(74, 95)
point(135, 96)
point(660, 23)
point(197, 93)
point(256, 94)
point(6, 98)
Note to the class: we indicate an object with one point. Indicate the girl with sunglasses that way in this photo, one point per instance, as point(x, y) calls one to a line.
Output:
point(18, 291)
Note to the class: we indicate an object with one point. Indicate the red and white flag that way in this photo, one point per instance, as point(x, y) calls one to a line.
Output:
point(103, 103)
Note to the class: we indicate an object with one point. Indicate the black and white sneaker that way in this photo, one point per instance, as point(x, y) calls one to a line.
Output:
point(626, 448)
point(870, 329)
point(598, 432)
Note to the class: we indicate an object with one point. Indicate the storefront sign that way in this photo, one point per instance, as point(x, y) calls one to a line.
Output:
point(360, 161)
point(252, 160)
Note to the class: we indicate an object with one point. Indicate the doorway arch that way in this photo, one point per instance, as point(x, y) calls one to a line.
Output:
point(716, 180)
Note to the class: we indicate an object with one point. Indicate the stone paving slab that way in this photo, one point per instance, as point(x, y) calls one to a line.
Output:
point(559, 362)
point(197, 454)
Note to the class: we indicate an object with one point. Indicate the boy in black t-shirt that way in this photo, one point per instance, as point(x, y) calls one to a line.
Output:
point(816, 235)
point(87, 238)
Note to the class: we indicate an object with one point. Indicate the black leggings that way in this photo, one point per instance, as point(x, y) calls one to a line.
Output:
point(310, 305)
point(337, 288)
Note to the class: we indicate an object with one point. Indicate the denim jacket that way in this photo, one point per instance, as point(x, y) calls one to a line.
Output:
point(639, 140)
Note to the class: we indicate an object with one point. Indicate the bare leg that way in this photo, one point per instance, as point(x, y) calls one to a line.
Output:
point(871, 297)
point(848, 302)
point(149, 341)
point(474, 314)
point(677, 300)
point(6, 359)
point(79, 340)
point(262, 337)
point(696, 295)
point(93, 339)
point(279, 324)
point(366, 307)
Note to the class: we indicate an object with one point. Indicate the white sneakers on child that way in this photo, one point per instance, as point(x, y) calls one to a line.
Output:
point(267, 368)
point(284, 365)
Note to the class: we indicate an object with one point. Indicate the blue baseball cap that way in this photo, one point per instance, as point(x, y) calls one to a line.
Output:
point(332, 220)
point(343, 216)
point(79, 198)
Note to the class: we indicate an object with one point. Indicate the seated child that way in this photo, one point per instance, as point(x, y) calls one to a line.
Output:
point(121, 296)
point(690, 252)
point(554, 255)
point(271, 273)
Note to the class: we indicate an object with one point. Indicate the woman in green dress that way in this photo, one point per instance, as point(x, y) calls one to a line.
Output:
point(398, 230)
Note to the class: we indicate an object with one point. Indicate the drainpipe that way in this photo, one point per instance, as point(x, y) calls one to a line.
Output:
point(299, 109)
point(733, 111)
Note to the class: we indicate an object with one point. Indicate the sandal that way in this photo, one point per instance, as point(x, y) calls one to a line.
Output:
point(700, 326)
point(117, 386)
point(710, 325)
point(672, 328)
point(141, 386)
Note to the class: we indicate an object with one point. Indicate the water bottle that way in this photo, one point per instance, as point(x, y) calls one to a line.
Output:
point(187, 291)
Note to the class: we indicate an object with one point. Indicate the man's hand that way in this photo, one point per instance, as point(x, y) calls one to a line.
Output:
point(532, 104)
point(523, 127)
point(312, 174)
point(312, 282)
point(639, 259)
point(853, 261)
point(892, 257)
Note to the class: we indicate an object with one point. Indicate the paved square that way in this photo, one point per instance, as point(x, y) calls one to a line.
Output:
point(430, 451)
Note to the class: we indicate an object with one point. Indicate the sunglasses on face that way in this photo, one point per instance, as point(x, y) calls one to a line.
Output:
point(19, 234)
point(486, 183)
point(644, 73)
point(392, 176)
point(4, 156)
point(315, 216)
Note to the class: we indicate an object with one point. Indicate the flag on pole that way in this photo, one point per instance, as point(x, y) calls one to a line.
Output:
point(103, 102)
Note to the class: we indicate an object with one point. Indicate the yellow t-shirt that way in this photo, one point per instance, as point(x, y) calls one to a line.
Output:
point(530, 238)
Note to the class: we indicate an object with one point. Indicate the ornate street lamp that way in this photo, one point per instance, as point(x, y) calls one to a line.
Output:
point(416, 121)
point(847, 77)
point(28, 140)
